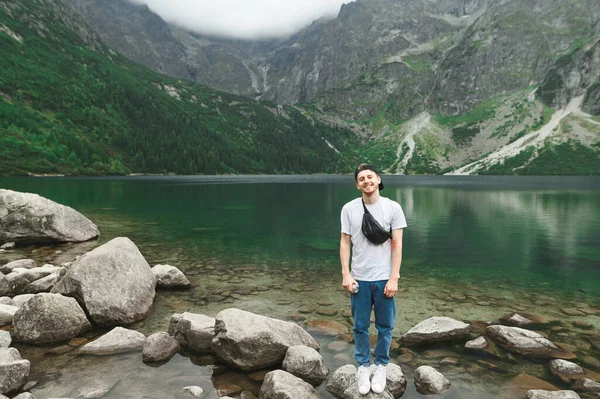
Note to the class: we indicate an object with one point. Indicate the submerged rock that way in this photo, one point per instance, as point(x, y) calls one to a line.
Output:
point(49, 318)
point(565, 370)
point(525, 342)
point(250, 341)
point(540, 394)
point(192, 330)
point(305, 363)
point(118, 340)
point(13, 370)
point(429, 381)
point(170, 277)
point(113, 282)
point(437, 329)
point(587, 385)
point(279, 384)
point(30, 218)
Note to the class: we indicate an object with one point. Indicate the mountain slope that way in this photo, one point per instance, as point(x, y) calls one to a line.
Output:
point(69, 104)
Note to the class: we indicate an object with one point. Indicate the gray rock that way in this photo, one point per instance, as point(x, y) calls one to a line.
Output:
point(280, 384)
point(522, 341)
point(305, 363)
point(429, 381)
point(114, 283)
point(8, 245)
point(117, 340)
point(342, 383)
point(45, 284)
point(13, 370)
point(477, 343)
point(25, 395)
point(193, 391)
point(21, 264)
point(98, 388)
point(170, 277)
point(192, 330)
point(7, 312)
point(29, 218)
point(541, 394)
point(4, 287)
point(20, 278)
point(437, 329)
point(5, 339)
point(352, 393)
point(586, 385)
point(6, 300)
point(49, 318)
point(22, 299)
point(518, 320)
point(159, 347)
point(566, 370)
point(250, 341)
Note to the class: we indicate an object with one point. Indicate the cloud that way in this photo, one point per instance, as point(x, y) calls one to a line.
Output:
point(244, 19)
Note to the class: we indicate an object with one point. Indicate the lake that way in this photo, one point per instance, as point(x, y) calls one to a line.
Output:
point(476, 249)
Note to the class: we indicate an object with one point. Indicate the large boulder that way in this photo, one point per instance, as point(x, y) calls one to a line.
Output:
point(192, 330)
point(49, 318)
point(117, 340)
point(525, 342)
point(280, 384)
point(541, 394)
point(305, 363)
point(170, 277)
point(249, 341)
point(437, 329)
point(113, 282)
point(429, 381)
point(342, 383)
point(13, 370)
point(159, 347)
point(29, 218)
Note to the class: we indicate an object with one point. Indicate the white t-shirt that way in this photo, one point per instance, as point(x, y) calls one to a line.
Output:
point(371, 262)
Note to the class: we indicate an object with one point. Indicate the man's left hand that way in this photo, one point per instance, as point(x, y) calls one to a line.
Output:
point(391, 288)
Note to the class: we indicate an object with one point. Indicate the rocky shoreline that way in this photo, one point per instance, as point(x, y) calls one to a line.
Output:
point(113, 286)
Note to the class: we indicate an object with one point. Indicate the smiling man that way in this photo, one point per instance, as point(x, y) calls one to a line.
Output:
point(372, 231)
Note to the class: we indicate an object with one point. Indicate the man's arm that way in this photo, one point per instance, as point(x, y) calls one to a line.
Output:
point(392, 285)
point(347, 279)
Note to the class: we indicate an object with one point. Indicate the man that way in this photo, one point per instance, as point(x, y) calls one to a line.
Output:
point(375, 271)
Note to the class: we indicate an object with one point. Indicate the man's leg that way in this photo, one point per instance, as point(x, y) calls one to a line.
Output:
point(361, 305)
point(385, 319)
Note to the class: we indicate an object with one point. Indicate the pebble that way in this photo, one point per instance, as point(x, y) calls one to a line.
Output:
point(327, 312)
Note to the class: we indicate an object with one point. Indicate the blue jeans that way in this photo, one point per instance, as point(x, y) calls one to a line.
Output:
point(370, 295)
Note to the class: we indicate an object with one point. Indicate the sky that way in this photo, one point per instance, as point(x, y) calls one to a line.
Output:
point(244, 19)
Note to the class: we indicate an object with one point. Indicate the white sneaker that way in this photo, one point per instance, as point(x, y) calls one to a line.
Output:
point(379, 377)
point(362, 380)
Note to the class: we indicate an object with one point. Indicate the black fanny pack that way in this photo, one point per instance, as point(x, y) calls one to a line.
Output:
point(373, 230)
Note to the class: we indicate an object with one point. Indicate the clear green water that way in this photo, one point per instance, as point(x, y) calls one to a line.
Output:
point(507, 243)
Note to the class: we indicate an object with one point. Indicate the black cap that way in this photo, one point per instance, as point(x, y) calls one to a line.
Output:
point(367, 166)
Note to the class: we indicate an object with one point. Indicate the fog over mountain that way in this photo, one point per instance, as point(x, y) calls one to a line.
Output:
point(244, 19)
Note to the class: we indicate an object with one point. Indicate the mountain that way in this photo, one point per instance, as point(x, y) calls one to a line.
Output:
point(428, 86)
point(69, 104)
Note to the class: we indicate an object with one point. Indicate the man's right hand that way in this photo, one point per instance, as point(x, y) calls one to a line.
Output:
point(348, 281)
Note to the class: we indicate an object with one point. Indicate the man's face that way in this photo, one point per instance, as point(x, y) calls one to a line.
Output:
point(368, 181)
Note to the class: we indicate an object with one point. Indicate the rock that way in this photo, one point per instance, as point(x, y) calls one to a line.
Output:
point(477, 343)
point(280, 384)
point(7, 312)
point(485, 347)
point(572, 312)
point(193, 391)
point(338, 346)
point(342, 383)
point(583, 324)
point(541, 394)
point(518, 320)
point(6, 300)
point(8, 245)
point(118, 340)
point(329, 327)
point(20, 279)
point(449, 361)
point(429, 381)
point(25, 395)
point(20, 264)
point(518, 386)
point(49, 318)
point(525, 342)
point(565, 370)
point(192, 330)
point(250, 341)
point(327, 312)
point(305, 363)
point(170, 277)
point(437, 329)
point(586, 385)
point(159, 347)
point(13, 370)
point(20, 300)
point(114, 283)
point(5, 339)
point(29, 218)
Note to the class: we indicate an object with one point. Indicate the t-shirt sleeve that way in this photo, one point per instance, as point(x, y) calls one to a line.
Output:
point(398, 219)
point(345, 218)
